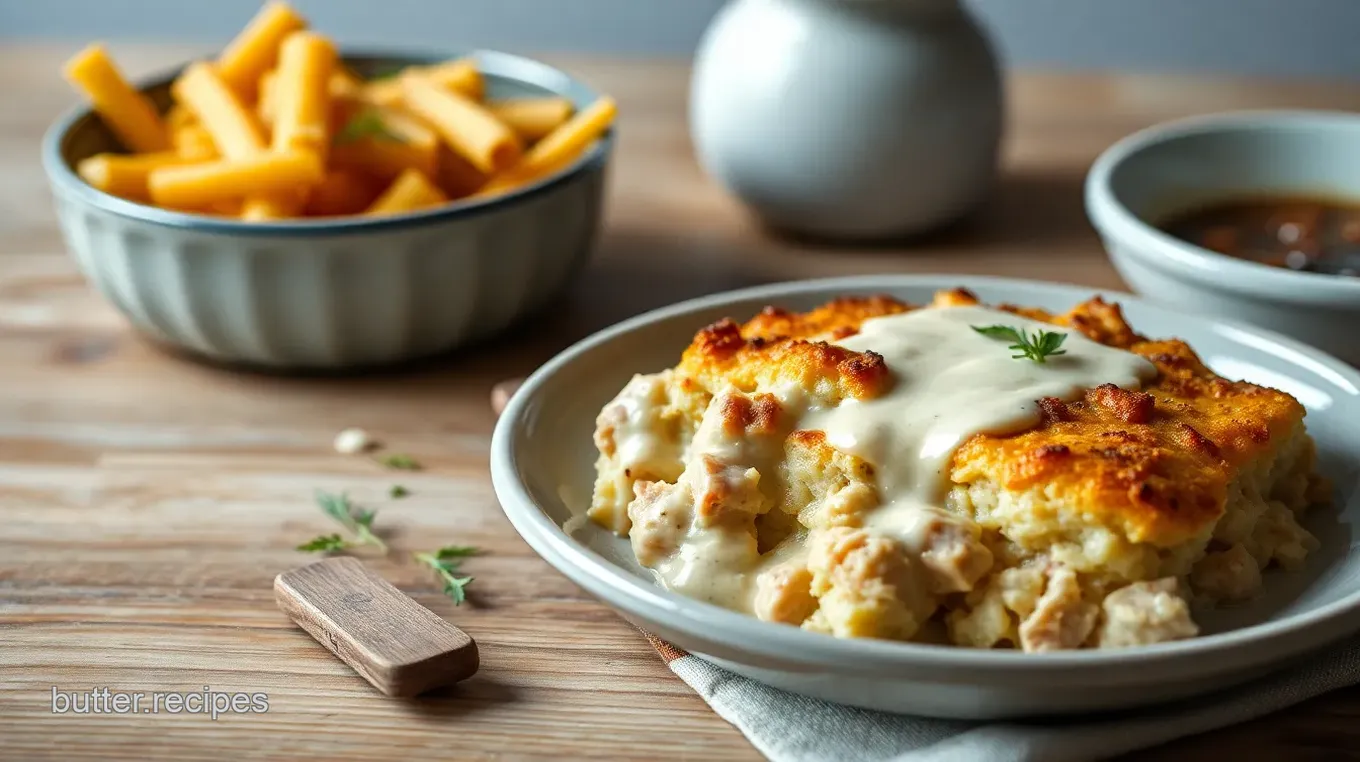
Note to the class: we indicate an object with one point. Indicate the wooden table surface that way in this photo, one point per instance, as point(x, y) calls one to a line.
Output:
point(146, 502)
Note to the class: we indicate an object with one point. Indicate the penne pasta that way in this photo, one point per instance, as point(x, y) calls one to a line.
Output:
point(129, 114)
point(302, 94)
point(392, 143)
point(409, 192)
point(461, 76)
point(265, 100)
point(177, 117)
point(341, 192)
point(344, 85)
point(457, 177)
point(235, 131)
point(567, 142)
point(197, 186)
point(192, 141)
point(532, 118)
point(229, 208)
point(384, 158)
point(465, 125)
point(384, 92)
point(554, 152)
point(274, 206)
point(256, 49)
point(278, 127)
point(125, 175)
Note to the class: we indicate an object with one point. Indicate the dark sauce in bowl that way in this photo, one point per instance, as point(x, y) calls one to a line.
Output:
point(1306, 234)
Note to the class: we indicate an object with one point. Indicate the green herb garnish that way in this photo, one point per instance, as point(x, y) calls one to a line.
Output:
point(1038, 346)
point(359, 522)
point(366, 124)
point(398, 492)
point(400, 462)
point(445, 563)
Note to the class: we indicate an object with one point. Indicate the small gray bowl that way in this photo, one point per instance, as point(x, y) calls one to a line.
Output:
point(1153, 174)
point(339, 292)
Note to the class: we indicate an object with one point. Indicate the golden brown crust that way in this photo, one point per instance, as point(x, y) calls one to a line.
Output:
point(834, 317)
point(1192, 480)
point(775, 347)
point(1153, 464)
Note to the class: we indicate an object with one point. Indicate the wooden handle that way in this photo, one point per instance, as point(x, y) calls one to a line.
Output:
point(399, 646)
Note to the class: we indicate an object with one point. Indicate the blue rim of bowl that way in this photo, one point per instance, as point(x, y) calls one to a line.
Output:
point(698, 619)
point(1188, 259)
point(494, 63)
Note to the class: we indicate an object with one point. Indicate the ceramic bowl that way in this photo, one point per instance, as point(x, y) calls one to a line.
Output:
point(542, 467)
point(1169, 168)
point(338, 292)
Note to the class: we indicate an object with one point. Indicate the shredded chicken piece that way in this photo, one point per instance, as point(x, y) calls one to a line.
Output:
point(784, 594)
point(1144, 613)
point(1061, 619)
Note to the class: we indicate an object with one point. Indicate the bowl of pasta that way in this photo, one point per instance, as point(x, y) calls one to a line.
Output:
point(290, 205)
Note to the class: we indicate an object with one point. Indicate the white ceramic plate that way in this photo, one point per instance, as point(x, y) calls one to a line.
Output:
point(542, 466)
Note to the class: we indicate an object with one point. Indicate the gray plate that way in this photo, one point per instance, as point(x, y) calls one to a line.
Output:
point(542, 466)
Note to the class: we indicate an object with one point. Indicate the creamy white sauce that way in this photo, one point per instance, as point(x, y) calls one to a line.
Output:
point(950, 383)
point(636, 426)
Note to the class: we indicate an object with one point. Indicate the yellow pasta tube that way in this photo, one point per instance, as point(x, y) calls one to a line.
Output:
point(404, 143)
point(409, 192)
point(384, 92)
point(384, 158)
point(341, 192)
point(461, 76)
point(344, 84)
point(177, 117)
point(234, 130)
point(200, 185)
point(464, 124)
point(275, 206)
point(129, 114)
point(192, 141)
point(558, 149)
point(302, 94)
point(457, 177)
point(532, 118)
point(267, 101)
point(126, 174)
point(256, 48)
point(566, 142)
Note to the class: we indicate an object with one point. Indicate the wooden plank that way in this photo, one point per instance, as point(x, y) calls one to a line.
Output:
point(397, 645)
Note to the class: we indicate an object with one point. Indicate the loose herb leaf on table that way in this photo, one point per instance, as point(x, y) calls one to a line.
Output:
point(358, 521)
point(400, 461)
point(445, 563)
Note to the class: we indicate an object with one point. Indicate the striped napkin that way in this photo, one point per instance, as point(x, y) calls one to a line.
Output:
point(786, 727)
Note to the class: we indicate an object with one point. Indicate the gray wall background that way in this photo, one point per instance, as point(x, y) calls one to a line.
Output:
point(1284, 38)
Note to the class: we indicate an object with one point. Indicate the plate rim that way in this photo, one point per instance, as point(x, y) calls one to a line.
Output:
point(625, 592)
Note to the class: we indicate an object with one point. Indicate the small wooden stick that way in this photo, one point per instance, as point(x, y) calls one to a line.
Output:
point(501, 393)
point(396, 644)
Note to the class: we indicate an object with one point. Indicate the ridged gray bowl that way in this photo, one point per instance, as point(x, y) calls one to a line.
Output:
point(339, 292)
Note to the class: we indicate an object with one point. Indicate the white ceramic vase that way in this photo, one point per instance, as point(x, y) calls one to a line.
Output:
point(848, 119)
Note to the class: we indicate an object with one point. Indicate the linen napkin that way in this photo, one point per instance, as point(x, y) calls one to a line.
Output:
point(786, 727)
